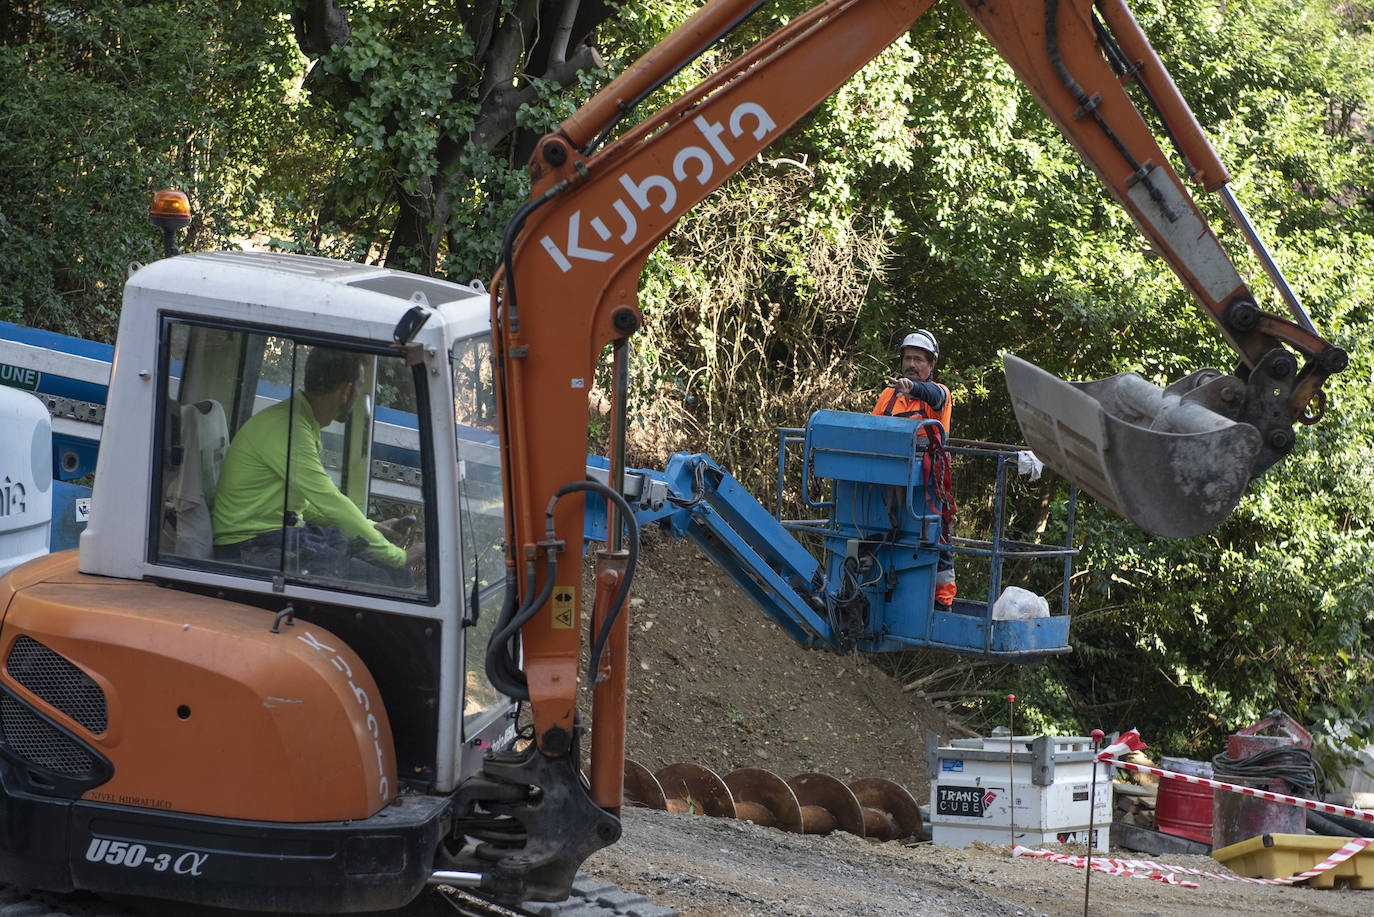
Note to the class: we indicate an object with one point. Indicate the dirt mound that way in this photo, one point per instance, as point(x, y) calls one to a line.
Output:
point(714, 682)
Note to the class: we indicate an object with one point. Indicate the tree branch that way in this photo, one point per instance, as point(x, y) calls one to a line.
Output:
point(497, 120)
point(558, 53)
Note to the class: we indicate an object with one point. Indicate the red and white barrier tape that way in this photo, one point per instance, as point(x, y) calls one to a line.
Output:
point(1103, 864)
point(1130, 741)
point(1164, 872)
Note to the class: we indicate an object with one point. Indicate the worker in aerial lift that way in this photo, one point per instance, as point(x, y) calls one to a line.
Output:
point(913, 394)
point(259, 477)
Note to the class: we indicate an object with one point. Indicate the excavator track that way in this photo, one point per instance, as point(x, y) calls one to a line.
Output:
point(15, 902)
point(590, 898)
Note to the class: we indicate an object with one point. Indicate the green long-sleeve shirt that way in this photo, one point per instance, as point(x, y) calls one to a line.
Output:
point(252, 492)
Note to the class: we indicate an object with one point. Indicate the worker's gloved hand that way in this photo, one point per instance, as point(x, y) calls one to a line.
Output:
point(415, 553)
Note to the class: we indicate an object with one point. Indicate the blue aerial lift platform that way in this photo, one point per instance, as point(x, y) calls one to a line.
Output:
point(874, 589)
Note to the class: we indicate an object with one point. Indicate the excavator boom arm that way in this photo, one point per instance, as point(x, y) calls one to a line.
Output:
point(573, 255)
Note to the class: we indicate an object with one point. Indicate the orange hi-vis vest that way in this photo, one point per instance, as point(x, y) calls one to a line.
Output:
point(890, 404)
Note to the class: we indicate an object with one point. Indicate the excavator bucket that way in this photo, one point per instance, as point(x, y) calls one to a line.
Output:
point(1165, 461)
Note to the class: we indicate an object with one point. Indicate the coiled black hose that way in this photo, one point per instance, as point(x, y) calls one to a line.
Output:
point(1295, 765)
point(503, 669)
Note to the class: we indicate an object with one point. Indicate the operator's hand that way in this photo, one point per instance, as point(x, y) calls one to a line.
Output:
point(901, 385)
point(399, 530)
point(415, 554)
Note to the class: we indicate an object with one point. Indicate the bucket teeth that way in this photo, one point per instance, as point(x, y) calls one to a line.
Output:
point(805, 804)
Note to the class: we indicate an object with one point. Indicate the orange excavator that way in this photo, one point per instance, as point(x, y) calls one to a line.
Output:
point(187, 720)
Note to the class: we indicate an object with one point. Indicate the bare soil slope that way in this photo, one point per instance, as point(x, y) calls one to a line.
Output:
point(713, 682)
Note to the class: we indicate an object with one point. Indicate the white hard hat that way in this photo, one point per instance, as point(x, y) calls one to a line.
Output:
point(924, 340)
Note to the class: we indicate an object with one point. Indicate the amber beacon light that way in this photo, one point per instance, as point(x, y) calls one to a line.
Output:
point(171, 211)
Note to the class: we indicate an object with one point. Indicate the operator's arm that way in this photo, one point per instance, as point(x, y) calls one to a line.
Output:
point(325, 503)
point(932, 393)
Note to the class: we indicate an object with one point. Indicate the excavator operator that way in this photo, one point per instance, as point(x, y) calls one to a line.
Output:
point(273, 463)
point(914, 395)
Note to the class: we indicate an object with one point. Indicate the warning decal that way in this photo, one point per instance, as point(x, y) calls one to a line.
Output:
point(563, 607)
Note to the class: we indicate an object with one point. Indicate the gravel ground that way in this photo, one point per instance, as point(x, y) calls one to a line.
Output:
point(715, 867)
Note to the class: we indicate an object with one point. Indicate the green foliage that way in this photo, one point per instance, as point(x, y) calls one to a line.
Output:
point(991, 231)
point(978, 221)
point(929, 191)
point(105, 103)
point(1190, 639)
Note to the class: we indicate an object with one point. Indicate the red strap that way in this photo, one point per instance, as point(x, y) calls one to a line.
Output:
point(935, 469)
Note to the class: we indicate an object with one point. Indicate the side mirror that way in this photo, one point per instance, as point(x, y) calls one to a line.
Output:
point(410, 324)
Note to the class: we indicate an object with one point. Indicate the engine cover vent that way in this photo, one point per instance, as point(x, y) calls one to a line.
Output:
point(59, 683)
point(39, 744)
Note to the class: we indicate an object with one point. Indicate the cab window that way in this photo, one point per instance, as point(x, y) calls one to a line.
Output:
point(481, 514)
point(291, 459)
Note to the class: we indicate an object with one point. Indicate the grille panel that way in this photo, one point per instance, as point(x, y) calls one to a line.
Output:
point(29, 737)
point(59, 683)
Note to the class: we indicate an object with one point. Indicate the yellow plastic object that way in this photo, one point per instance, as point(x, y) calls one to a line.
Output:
point(1277, 856)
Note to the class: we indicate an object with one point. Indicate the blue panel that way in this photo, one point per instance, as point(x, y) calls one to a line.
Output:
point(51, 383)
point(73, 457)
point(864, 447)
point(67, 522)
point(51, 340)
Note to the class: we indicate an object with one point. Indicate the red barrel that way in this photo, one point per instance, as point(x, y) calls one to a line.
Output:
point(1185, 809)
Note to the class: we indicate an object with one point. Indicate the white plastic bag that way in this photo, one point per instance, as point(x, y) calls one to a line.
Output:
point(1027, 463)
point(1017, 604)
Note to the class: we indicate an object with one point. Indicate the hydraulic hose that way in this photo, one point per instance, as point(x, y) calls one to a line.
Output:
point(504, 639)
point(1089, 107)
point(617, 603)
point(502, 670)
point(517, 223)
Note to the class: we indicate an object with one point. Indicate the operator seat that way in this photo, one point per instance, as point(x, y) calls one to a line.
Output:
point(198, 439)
